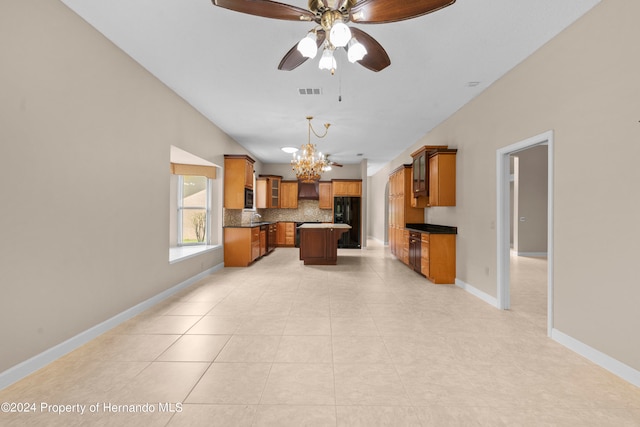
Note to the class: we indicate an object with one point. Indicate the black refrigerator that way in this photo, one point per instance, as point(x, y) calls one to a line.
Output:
point(346, 210)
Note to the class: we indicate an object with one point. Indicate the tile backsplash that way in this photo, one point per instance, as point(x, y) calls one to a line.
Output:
point(308, 210)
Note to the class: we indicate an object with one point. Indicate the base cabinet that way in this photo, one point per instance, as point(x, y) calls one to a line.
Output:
point(264, 230)
point(272, 237)
point(441, 259)
point(286, 234)
point(319, 246)
point(255, 243)
point(438, 258)
point(241, 246)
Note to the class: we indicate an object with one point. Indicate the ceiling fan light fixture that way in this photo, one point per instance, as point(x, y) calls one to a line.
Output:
point(340, 34)
point(355, 50)
point(307, 46)
point(327, 62)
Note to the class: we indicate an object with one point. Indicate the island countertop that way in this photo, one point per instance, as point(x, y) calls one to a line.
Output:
point(323, 225)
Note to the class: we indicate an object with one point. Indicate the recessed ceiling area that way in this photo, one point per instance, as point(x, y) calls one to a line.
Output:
point(224, 64)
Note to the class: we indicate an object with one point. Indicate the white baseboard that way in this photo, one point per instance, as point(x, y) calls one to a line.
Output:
point(607, 362)
point(478, 293)
point(378, 240)
point(39, 361)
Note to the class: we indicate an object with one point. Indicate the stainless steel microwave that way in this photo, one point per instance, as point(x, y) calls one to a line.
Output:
point(248, 198)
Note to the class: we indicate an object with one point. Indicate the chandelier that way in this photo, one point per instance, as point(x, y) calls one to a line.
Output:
point(338, 35)
point(310, 164)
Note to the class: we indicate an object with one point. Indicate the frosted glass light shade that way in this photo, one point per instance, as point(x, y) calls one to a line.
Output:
point(307, 46)
point(327, 62)
point(340, 34)
point(355, 51)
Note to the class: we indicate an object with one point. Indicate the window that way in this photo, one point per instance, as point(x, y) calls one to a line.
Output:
point(194, 210)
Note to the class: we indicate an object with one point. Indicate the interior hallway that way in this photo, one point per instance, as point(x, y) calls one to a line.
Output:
point(367, 342)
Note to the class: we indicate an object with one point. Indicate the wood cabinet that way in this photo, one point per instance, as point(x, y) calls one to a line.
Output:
point(401, 212)
point(415, 246)
point(286, 234)
point(238, 176)
point(434, 176)
point(264, 229)
point(404, 257)
point(438, 257)
point(326, 196)
point(268, 191)
point(272, 237)
point(289, 195)
point(419, 172)
point(255, 243)
point(319, 245)
point(346, 187)
point(424, 254)
point(442, 178)
point(241, 246)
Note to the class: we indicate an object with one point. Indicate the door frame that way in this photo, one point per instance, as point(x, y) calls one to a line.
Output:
point(503, 220)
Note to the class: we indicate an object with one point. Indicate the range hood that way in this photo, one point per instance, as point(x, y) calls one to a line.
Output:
point(308, 190)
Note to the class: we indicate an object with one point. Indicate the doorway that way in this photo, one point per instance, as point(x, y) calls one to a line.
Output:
point(504, 223)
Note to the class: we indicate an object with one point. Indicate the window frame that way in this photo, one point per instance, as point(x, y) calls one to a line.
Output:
point(180, 209)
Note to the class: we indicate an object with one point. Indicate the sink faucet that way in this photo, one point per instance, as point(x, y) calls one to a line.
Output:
point(253, 215)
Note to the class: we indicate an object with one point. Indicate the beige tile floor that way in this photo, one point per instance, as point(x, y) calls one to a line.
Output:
point(364, 343)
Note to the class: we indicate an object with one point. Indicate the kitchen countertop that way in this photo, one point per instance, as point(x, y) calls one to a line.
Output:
point(255, 224)
point(432, 228)
point(323, 225)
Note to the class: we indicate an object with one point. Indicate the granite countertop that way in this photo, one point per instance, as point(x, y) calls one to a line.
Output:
point(432, 228)
point(323, 225)
point(255, 224)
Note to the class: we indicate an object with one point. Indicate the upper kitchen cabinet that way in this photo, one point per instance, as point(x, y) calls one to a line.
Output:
point(268, 192)
point(289, 195)
point(238, 180)
point(442, 178)
point(325, 195)
point(346, 187)
point(434, 176)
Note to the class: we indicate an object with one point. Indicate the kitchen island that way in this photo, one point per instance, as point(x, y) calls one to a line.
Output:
point(319, 242)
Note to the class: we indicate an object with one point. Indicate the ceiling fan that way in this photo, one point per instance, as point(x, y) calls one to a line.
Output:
point(331, 162)
point(332, 32)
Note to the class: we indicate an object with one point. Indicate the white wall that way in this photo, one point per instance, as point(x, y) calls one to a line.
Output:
point(85, 136)
point(584, 86)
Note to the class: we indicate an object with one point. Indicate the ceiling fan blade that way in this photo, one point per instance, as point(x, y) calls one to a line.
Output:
point(376, 58)
point(381, 11)
point(267, 9)
point(294, 58)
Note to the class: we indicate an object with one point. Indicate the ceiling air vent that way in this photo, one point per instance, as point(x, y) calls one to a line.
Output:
point(310, 91)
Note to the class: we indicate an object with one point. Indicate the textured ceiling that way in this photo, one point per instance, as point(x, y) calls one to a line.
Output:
point(224, 63)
